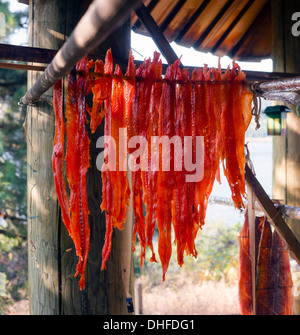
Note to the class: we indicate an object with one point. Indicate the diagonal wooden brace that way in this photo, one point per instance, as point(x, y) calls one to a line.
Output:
point(157, 35)
point(273, 214)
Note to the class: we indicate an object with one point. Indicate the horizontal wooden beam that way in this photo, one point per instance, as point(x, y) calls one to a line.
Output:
point(26, 54)
point(26, 2)
point(18, 66)
point(287, 211)
point(45, 56)
point(273, 214)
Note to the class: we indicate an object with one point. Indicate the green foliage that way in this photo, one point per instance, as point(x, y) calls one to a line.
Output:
point(13, 179)
point(13, 21)
point(219, 250)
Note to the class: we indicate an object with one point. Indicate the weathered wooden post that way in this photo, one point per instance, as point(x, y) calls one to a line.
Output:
point(53, 289)
point(286, 153)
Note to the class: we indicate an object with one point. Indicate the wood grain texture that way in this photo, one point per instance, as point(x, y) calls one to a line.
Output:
point(286, 154)
point(53, 289)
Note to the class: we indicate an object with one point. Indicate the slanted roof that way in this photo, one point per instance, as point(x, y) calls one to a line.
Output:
point(240, 29)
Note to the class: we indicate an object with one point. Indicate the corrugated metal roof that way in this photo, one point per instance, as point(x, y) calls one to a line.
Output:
point(238, 28)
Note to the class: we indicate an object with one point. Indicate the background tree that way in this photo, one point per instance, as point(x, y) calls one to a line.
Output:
point(13, 231)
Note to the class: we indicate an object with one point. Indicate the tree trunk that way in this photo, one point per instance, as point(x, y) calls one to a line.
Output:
point(53, 289)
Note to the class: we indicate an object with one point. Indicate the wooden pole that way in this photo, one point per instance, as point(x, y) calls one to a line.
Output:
point(53, 289)
point(273, 213)
point(157, 35)
point(98, 22)
point(286, 153)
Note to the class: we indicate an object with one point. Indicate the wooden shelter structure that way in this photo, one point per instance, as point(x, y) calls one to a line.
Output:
point(243, 29)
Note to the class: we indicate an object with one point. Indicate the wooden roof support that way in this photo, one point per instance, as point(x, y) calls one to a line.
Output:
point(99, 21)
point(256, 22)
point(213, 23)
point(191, 21)
point(172, 14)
point(273, 214)
point(158, 37)
point(232, 25)
point(150, 7)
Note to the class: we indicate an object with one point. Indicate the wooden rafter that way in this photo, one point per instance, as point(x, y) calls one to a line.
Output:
point(213, 23)
point(192, 20)
point(255, 23)
point(172, 14)
point(232, 25)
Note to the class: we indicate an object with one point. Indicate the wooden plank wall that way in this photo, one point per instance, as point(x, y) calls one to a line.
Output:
point(286, 151)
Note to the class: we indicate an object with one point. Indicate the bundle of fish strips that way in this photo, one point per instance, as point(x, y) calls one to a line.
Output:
point(172, 132)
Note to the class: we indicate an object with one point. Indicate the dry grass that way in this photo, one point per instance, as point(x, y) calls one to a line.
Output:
point(190, 298)
point(186, 298)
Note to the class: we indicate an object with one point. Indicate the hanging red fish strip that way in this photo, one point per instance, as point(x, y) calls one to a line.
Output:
point(236, 116)
point(184, 211)
point(129, 91)
point(273, 287)
point(207, 117)
point(245, 278)
point(282, 299)
point(58, 156)
point(77, 162)
point(138, 129)
point(107, 186)
point(264, 270)
point(149, 94)
point(118, 177)
point(165, 179)
point(153, 156)
point(100, 89)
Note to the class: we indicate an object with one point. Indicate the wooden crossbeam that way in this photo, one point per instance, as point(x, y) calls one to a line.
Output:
point(45, 56)
point(26, 54)
point(273, 214)
point(18, 66)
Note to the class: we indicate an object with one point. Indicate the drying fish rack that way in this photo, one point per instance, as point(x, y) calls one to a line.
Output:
point(92, 30)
